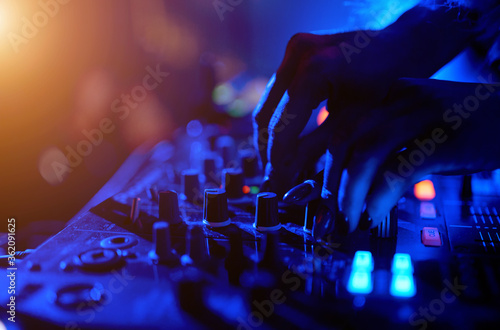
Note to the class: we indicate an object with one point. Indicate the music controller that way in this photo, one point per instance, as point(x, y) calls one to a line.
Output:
point(189, 248)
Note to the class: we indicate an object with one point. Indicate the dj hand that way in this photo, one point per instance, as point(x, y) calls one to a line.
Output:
point(424, 127)
point(354, 70)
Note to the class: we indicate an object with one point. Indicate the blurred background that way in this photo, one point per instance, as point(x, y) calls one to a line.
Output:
point(84, 83)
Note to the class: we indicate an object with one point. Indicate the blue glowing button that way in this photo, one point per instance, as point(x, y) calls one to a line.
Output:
point(427, 210)
point(360, 282)
point(363, 260)
point(403, 285)
point(401, 263)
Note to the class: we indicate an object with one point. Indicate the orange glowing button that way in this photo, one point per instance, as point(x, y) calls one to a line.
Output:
point(424, 190)
point(246, 189)
point(322, 115)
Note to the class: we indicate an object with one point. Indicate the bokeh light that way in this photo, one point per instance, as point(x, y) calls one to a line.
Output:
point(223, 94)
point(194, 128)
point(53, 165)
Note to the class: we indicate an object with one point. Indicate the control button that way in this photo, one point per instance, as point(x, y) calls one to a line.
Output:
point(403, 285)
point(169, 207)
point(424, 190)
point(360, 282)
point(210, 172)
point(215, 208)
point(249, 163)
point(162, 250)
point(99, 259)
point(227, 150)
point(135, 209)
point(190, 185)
point(388, 228)
point(363, 260)
point(401, 263)
point(427, 210)
point(266, 213)
point(431, 237)
point(233, 182)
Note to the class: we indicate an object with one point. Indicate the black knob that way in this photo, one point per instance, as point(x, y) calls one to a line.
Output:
point(169, 207)
point(249, 164)
point(191, 185)
point(388, 228)
point(215, 208)
point(266, 213)
point(162, 249)
point(227, 150)
point(233, 182)
point(210, 172)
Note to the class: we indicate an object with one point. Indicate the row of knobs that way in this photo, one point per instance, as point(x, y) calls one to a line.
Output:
point(233, 181)
point(215, 214)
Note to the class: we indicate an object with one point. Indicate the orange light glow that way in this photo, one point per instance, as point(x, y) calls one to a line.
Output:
point(246, 189)
point(424, 190)
point(322, 115)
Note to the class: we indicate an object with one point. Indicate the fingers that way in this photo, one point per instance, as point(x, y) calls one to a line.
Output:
point(389, 185)
point(366, 157)
point(328, 218)
point(298, 45)
point(262, 114)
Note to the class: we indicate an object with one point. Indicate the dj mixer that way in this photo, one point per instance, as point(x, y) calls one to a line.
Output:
point(184, 239)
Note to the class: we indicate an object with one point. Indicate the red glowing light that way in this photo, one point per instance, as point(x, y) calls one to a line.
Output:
point(424, 190)
point(322, 115)
point(246, 189)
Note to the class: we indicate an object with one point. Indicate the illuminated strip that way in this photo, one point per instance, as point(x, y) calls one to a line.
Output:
point(491, 242)
point(484, 244)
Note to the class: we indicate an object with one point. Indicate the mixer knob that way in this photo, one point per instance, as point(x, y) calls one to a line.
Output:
point(249, 164)
point(388, 228)
point(210, 172)
point(266, 213)
point(169, 207)
point(191, 185)
point(215, 208)
point(233, 182)
point(162, 251)
point(226, 146)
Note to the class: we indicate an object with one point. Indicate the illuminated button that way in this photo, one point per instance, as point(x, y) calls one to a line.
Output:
point(427, 210)
point(363, 260)
point(360, 282)
point(424, 190)
point(431, 237)
point(401, 263)
point(403, 285)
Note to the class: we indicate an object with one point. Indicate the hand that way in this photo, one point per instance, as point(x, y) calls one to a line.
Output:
point(354, 70)
point(424, 127)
